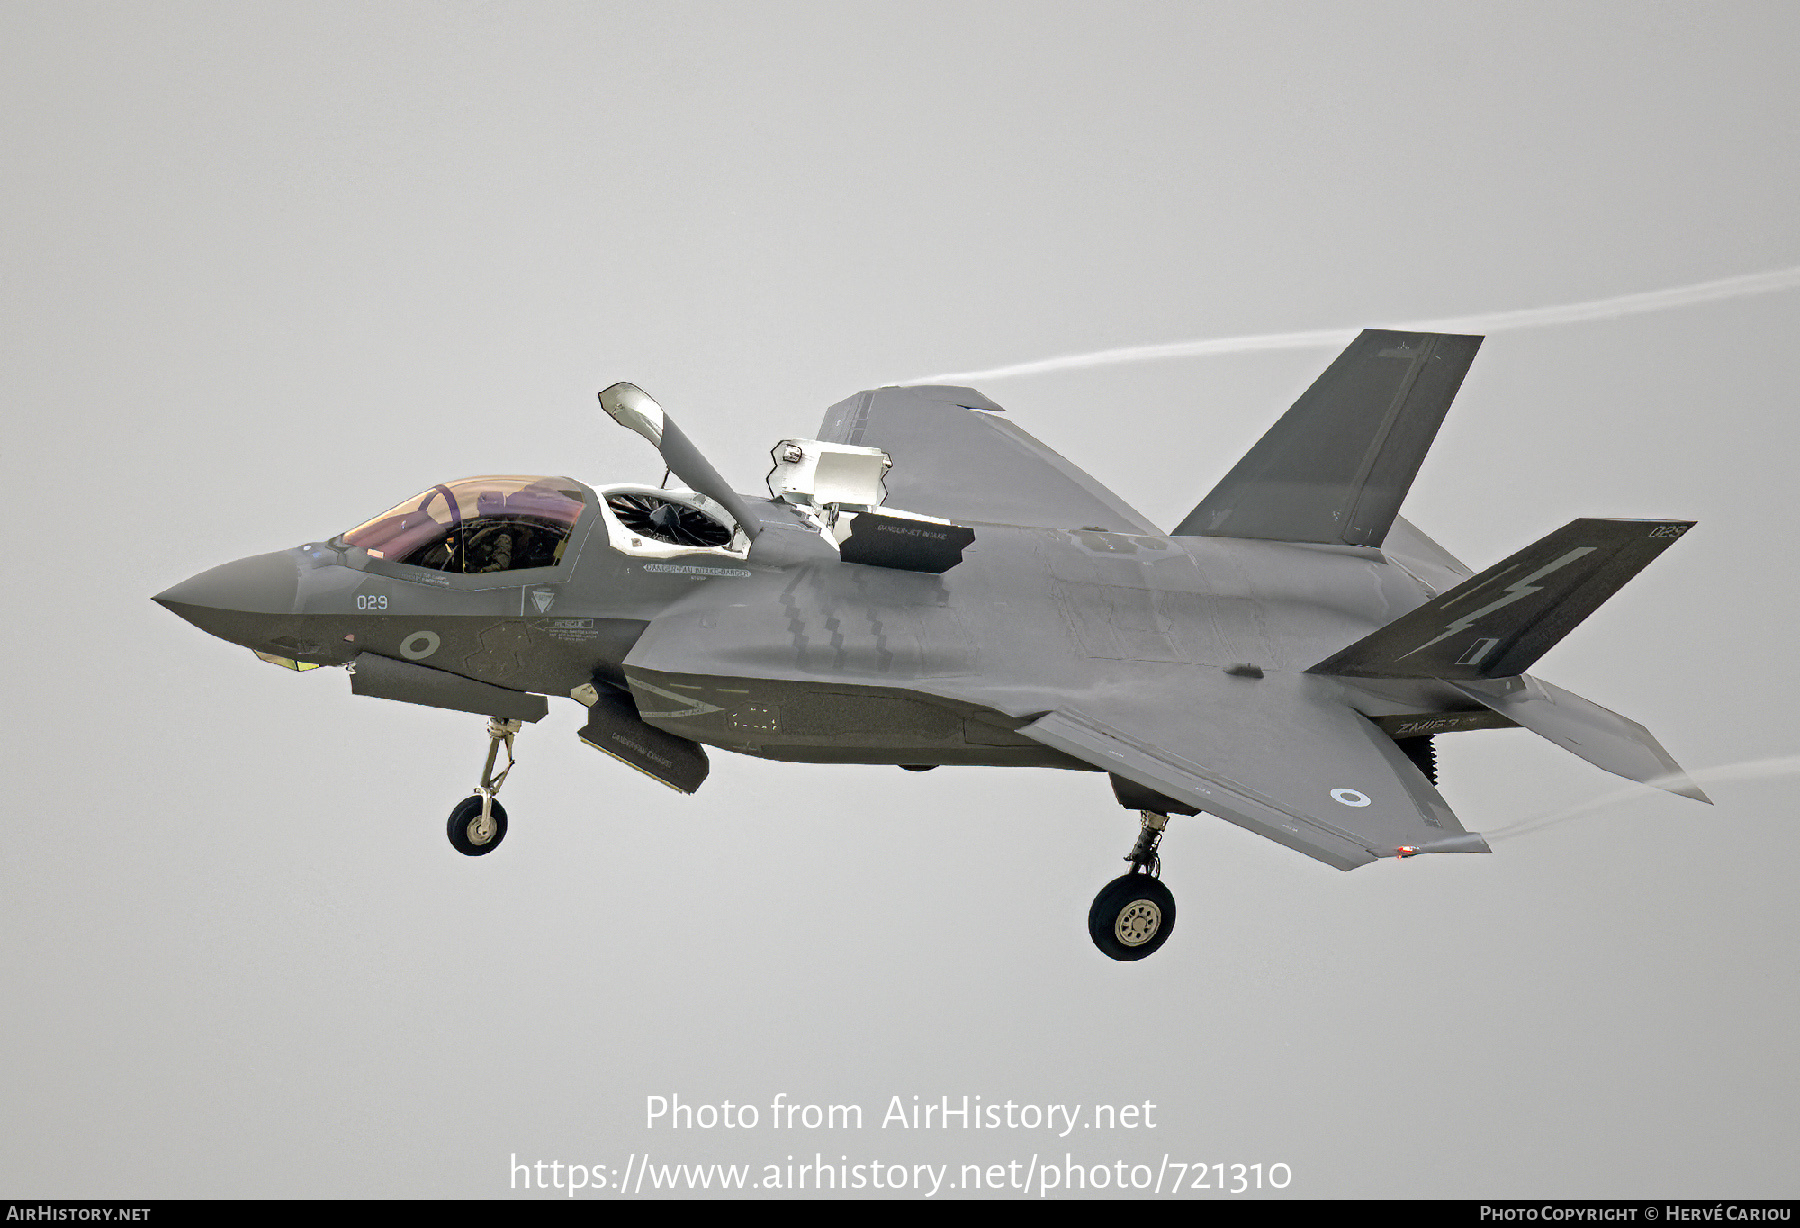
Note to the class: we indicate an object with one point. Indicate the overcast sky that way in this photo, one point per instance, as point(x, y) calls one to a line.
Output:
point(272, 267)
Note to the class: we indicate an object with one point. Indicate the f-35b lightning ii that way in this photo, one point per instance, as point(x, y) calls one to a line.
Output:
point(928, 585)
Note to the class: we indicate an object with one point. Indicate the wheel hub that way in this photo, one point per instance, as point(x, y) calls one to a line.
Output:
point(1138, 922)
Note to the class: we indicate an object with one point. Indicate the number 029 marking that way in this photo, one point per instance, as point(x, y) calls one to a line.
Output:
point(376, 602)
point(1668, 530)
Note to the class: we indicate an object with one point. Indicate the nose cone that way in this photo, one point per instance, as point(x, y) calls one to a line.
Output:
point(239, 601)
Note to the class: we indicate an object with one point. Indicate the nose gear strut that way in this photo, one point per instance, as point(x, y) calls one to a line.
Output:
point(478, 823)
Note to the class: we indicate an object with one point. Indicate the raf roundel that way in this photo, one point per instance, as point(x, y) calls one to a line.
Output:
point(1350, 797)
point(419, 645)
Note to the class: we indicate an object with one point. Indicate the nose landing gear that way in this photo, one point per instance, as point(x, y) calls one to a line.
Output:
point(1134, 914)
point(478, 824)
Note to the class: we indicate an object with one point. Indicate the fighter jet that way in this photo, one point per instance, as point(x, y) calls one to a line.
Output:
point(926, 585)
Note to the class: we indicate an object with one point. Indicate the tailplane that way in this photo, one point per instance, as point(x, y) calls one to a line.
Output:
point(1582, 727)
point(1497, 624)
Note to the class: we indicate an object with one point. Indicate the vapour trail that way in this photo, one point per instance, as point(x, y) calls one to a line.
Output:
point(1493, 322)
point(1752, 769)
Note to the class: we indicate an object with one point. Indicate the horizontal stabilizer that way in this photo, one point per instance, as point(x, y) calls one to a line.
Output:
point(1497, 624)
point(615, 728)
point(1336, 467)
point(1582, 727)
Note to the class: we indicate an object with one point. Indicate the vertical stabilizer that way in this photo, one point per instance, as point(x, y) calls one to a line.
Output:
point(1336, 466)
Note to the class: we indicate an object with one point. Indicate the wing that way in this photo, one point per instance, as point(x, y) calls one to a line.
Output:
point(957, 457)
point(1282, 756)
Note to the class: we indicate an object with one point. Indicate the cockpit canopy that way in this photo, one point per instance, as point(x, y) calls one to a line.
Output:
point(475, 525)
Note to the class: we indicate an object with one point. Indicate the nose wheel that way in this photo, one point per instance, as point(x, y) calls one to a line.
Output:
point(472, 832)
point(1134, 914)
point(478, 824)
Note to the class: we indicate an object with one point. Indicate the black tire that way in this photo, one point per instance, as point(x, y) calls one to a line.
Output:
point(463, 821)
point(1132, 916)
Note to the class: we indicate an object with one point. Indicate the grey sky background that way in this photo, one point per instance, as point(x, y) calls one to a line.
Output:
point(273, 267)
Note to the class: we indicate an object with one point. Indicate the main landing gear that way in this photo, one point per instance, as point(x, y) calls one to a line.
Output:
point(1134, 914)
point(478, 824)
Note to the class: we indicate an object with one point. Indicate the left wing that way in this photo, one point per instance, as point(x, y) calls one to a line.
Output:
point(1281, 755)
point(956, 456)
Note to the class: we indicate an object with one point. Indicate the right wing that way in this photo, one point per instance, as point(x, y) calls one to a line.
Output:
point(956, 456)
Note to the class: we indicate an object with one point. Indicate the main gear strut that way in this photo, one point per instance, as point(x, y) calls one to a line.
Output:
point(1133, 914)
point(1143, 856)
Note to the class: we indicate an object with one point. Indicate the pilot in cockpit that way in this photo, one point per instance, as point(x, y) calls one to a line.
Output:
point(477, 525)
point(480, 549)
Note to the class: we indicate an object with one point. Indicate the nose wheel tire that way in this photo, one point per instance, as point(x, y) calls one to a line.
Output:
point(468, 835)
point(1132, 916)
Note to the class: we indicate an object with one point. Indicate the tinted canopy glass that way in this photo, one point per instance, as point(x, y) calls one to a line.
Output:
point(484, 524)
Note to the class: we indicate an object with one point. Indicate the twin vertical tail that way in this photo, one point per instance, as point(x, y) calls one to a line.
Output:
point(1334, 471)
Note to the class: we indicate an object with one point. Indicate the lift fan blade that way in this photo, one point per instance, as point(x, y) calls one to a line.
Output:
point(666, 520)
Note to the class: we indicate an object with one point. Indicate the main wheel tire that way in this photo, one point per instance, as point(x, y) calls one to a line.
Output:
point(1132, 916)
point(465, 821)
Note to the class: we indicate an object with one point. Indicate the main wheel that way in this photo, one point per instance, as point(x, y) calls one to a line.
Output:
point(1132, 916)
point(465, 832)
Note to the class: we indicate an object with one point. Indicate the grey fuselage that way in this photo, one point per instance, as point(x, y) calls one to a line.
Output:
point(796, 655)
